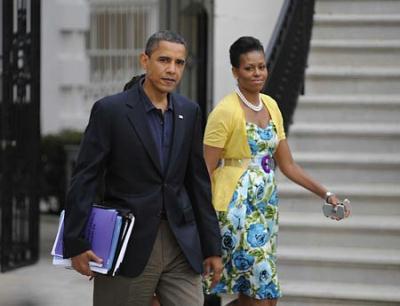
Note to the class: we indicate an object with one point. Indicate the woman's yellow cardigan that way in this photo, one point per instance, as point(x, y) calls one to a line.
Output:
point(226, 129)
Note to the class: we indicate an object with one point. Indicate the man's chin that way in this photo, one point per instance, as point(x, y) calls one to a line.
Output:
point(167, 89)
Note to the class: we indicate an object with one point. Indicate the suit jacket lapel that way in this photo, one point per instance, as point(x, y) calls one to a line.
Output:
point(179, 129)
point(137, 117)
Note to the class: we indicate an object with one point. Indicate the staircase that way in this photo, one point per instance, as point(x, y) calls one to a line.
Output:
point(346, 134)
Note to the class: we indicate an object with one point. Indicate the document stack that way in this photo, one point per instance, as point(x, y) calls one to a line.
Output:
point(108, 230)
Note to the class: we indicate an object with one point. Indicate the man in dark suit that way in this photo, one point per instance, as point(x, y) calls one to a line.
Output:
point(147, 143)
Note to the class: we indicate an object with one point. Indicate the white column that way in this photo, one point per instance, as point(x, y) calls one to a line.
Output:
point(65, 68)
point(233, 19)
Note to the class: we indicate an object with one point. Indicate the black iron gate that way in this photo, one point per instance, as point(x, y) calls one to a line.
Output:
point(19, 132)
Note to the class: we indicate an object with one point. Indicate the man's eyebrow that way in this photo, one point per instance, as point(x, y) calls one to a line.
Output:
point(166, 57)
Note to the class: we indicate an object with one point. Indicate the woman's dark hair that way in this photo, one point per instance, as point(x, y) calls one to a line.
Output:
point(241, 46)
point(133, 81)
point(151, 44)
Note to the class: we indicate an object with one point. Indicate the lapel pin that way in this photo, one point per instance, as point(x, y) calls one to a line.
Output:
point(180, 116)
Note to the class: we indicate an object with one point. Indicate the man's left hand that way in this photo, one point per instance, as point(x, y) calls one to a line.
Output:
point(213, 267)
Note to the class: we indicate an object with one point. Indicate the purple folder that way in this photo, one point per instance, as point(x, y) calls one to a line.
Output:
point(98, 231)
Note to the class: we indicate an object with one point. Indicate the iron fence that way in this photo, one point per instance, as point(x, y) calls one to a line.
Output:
point(19, 133)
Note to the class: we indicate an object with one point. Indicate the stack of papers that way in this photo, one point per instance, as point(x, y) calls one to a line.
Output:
point(108, 231)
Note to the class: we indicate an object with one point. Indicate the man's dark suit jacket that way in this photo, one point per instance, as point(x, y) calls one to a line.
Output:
point(118, 144)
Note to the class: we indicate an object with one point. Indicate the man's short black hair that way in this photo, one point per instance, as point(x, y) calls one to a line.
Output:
point(164, 35)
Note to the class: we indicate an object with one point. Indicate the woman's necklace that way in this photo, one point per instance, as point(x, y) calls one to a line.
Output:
point(250, 105)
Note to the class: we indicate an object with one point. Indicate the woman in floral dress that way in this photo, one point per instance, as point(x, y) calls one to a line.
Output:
point(243, 138)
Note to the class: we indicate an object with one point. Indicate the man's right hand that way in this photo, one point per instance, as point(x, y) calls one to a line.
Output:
point(81, 262)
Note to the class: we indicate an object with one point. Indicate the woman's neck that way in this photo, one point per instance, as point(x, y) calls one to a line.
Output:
point(253, 97)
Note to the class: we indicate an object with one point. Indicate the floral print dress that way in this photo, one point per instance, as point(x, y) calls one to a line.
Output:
point(249, 227)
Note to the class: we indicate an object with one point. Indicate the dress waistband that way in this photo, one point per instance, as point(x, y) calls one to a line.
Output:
point(235, 162)
point(267, 162)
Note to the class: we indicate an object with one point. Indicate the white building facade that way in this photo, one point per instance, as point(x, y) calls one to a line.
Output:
point(91, 48)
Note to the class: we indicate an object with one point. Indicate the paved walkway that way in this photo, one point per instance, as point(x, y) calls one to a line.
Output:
point(43, 284)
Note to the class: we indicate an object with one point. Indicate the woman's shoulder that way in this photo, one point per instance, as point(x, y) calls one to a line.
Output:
point(272, 105)
point(269, 100)
point(227, 105)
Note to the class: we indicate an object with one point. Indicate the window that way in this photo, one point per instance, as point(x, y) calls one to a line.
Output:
point(118, 33)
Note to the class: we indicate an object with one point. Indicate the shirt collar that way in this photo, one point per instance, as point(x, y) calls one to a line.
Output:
point(148, 106)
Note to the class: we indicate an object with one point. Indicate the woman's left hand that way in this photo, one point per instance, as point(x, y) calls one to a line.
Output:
point(335, 201)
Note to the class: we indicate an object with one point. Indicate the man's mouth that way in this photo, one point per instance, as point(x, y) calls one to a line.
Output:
point(168, 80)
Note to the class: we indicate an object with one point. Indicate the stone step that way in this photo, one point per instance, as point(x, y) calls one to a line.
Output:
point(330, 167)
point(349, 265)
point(359, 231)
point(348, 108)
point(357, 7)
point(366, 199)
point(340, 137)
point(322, 80)
point(337, 293)
point(346, 135)
point(352, 266)
point(356, 26)
point(345, 52)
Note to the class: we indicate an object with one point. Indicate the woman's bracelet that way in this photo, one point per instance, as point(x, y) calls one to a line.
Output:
point(328, 194)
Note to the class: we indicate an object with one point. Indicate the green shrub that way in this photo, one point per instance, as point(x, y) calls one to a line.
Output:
point(54, 168)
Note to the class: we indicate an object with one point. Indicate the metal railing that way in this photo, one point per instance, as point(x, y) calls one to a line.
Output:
point(287, 54)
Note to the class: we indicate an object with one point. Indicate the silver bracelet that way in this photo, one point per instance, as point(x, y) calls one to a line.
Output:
point(328, 194)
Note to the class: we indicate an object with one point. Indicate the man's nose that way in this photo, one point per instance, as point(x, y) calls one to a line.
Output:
point(171, 68)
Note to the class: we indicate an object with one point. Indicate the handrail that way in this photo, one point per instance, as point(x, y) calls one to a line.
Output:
point(277, 31)
point(286, 55)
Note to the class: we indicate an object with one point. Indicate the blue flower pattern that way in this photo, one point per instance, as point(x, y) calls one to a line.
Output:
point(257, 235)
point(228, 240)
point(253, 146)
point(260, 192)
point(270, 291)
point(242, 285)
point(273, 200)
point(250, 225)
point(263, 272)
point(237, 216)
point(266, 134)
point(242, 260)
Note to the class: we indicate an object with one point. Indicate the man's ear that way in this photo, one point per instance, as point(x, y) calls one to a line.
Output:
point(144, 59)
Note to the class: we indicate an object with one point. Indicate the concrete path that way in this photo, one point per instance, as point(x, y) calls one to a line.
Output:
point(43, 284)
